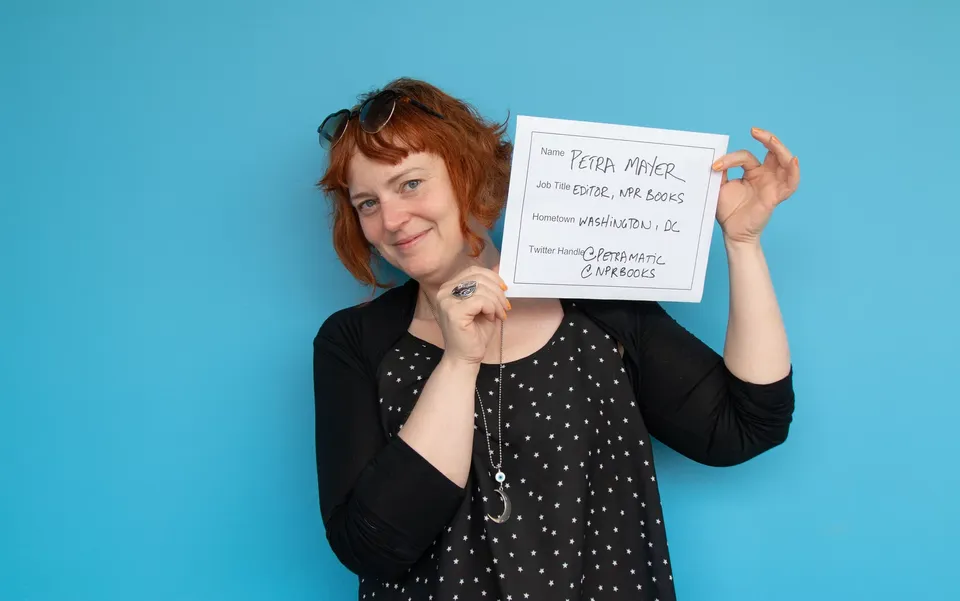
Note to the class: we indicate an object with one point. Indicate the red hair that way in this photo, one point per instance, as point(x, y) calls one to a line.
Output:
point(474, 150)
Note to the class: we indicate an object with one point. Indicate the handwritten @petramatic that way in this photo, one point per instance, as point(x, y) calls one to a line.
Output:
point(598, 210)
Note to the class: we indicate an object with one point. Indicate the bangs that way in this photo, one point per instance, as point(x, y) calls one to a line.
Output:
point(409, 130)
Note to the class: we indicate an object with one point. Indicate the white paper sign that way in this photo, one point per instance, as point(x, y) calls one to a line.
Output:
point(608, 211)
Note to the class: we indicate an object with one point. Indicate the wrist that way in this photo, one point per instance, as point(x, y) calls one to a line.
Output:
point(741, 247)
point(458, 366)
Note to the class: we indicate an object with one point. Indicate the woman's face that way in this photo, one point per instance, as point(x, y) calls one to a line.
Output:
point(409, 213)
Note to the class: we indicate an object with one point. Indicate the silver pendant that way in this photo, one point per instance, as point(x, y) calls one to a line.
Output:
point(503, 517)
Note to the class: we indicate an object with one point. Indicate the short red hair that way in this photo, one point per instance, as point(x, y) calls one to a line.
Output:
point(476, 153)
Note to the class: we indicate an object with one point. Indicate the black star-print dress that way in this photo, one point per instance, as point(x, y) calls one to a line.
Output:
point(586, 520)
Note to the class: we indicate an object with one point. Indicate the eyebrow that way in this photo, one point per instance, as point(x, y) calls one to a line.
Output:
point(390, 181)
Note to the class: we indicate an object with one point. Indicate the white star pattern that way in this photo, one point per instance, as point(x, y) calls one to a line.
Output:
point(586, 476)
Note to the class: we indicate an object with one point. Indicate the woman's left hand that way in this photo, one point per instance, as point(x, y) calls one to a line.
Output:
point(746, 204)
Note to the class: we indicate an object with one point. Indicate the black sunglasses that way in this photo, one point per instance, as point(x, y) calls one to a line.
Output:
point(374, 114)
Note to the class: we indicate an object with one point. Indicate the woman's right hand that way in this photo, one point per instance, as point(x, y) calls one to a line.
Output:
point(468, 323)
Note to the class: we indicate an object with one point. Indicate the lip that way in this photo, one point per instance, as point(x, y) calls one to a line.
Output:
point(408, 242)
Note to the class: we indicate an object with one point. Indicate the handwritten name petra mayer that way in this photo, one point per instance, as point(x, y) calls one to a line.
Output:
point(578, 161)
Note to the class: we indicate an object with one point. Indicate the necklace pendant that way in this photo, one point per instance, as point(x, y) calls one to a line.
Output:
point(507, 507)
point(500, 477)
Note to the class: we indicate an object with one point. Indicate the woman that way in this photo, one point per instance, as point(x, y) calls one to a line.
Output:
point(471, 447)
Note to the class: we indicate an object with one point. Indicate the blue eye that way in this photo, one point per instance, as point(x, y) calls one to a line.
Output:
point(412, 184)
point(364, 206)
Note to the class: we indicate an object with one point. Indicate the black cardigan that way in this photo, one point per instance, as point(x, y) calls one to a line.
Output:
point(382, 504)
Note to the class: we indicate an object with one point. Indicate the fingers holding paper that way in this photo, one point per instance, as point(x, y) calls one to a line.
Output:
point(737, 158)
point(745, 204)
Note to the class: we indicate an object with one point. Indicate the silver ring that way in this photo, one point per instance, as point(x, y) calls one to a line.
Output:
point(464, 289)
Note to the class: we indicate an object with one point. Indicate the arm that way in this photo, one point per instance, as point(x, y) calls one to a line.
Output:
point(725, 410)
point(719, 410)
point(756, 348)
point(382, 503)
point(440, 427)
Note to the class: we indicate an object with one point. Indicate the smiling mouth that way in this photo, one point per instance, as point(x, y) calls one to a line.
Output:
point(406, 242)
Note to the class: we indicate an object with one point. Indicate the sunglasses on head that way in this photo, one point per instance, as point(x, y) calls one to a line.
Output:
point(374, 115)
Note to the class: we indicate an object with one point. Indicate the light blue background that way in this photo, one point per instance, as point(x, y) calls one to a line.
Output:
point(165, 263)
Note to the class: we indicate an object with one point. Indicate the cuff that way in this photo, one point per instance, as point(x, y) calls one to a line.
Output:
point(408, 495)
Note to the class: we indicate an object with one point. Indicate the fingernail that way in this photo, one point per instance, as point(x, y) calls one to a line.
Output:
point(503, 286)
point(509, 306)
point(796, 161)
point(717, 165)
point(755, 130)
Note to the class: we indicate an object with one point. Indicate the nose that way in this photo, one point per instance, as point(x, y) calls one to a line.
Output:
point(393, 213)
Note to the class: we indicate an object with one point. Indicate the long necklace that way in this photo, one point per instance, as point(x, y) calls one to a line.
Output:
point(500, 477)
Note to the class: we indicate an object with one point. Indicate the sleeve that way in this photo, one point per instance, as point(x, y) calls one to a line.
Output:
point(381, 502)
point(693, 403)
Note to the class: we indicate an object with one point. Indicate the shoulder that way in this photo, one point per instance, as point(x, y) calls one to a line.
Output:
point(621, 318)
point(366, 329)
